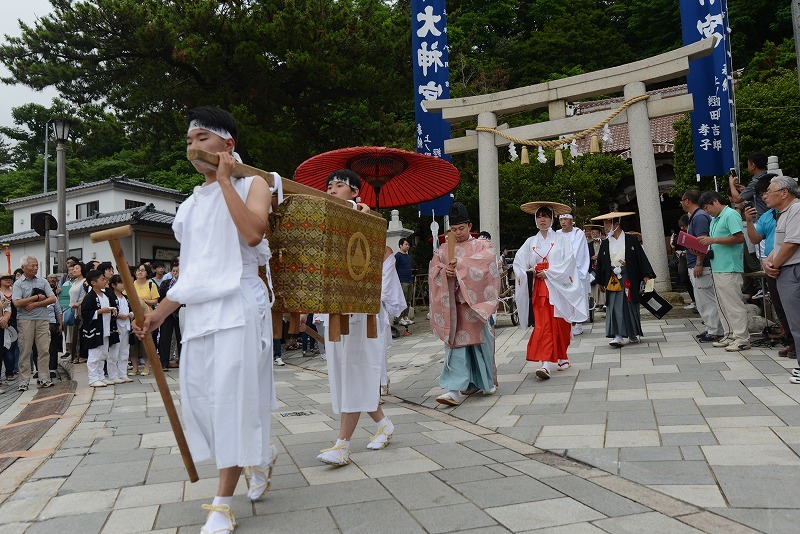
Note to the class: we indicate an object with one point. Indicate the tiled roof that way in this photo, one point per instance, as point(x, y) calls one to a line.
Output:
point(663, 133)
point(142, 216)
point(116, 180)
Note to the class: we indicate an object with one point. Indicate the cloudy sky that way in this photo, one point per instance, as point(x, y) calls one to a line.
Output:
point(15, 95)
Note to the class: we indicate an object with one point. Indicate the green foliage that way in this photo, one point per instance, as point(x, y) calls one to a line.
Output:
point(769, 120)
point(753, 23)
point(771, 61)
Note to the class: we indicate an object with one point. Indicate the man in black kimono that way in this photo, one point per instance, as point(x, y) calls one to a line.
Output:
point(621, 268)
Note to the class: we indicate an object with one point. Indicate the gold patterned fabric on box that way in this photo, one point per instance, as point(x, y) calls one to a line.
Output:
point(326, 257)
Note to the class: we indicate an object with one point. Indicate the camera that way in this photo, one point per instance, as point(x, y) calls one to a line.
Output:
point(748, 204)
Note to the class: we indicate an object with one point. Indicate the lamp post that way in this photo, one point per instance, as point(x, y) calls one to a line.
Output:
point(61, 130)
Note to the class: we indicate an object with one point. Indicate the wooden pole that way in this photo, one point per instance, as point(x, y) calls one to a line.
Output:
point(372, 326)
point(209, 160)
point(334, 327)
point(112, 236)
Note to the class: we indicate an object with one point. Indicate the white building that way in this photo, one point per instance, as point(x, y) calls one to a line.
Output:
point(94, 206)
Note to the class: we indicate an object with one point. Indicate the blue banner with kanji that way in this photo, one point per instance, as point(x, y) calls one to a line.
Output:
point(431, 82)
point(711, 86)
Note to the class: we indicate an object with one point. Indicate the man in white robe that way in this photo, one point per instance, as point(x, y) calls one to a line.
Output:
point(226, 377)
point(354, 363)
point(580, 247)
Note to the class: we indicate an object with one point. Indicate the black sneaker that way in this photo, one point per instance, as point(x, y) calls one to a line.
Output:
point(46, 384)
point(698, 336)
point(706, 338)
point(35, 374)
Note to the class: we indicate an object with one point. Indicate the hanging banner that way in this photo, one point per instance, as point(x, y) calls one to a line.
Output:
point(710, 83)
point(431, 82)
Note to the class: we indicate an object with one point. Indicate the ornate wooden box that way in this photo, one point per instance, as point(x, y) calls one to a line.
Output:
point(326, 257)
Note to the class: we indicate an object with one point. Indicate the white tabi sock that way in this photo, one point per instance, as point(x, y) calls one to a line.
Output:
point(222, 500)
point(346, 443)
point(546, 365)
point(383, 421)
point(217, 521)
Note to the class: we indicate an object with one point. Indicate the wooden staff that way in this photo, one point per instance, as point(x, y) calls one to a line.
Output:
point(451, 285)
point(313, 333)
point(113, 236)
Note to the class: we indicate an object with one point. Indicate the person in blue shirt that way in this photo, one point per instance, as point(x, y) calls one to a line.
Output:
point(762, 230)
point(699, 266)
point(403, 266)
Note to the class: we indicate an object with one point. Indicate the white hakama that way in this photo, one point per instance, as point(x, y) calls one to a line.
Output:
point(227, 391)
point(354, 368)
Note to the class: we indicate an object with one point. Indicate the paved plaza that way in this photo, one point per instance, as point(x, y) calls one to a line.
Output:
point(666, 436)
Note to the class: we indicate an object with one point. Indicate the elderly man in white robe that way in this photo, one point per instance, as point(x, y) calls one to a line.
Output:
point(355, 363)
point(580, 248)
point(226, 378)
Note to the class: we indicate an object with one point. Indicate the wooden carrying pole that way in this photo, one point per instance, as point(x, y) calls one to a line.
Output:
point(209, 160)
point(113, 236)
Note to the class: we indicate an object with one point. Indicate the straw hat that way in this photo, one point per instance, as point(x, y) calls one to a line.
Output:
point(613, 215)
point(556, 207)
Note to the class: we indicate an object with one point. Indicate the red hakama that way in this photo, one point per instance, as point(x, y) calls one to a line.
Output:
point(551, 335)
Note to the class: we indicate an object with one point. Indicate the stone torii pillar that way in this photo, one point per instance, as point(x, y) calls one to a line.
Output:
point(488, 180)
point(645, 178)
point(631, 79)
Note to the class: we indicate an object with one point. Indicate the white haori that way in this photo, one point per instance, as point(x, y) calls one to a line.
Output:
point(227, 389)
point(354, 368)
point(567, 293)
point(581, 250)
point(210, 250)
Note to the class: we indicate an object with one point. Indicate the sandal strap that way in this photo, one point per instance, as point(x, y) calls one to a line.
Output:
point(223, 509)
point(340, 448)
point(381, 430)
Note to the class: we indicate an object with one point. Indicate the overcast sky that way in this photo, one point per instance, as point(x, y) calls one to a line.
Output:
point(16, 95)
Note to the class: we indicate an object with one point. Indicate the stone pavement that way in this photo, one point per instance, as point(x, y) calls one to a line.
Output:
point(658, 421)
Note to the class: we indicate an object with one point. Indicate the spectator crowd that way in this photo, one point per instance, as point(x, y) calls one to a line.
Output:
point(85, 317)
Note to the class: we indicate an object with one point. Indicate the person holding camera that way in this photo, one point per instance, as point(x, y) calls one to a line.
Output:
point(757, 167)
point(761, 230)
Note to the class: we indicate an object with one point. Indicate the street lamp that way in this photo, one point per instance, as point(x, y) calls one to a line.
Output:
point(61, 131)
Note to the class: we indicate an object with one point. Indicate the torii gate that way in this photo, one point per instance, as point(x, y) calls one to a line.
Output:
point(631, 79)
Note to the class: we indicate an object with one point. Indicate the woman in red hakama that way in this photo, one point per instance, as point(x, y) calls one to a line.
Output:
point(556, 298)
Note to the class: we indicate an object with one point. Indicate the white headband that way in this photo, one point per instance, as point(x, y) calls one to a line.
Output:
point(225, 134)
point(566, 216)
point(346, 181)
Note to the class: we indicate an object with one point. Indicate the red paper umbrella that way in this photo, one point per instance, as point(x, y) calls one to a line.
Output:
point(395, 177)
